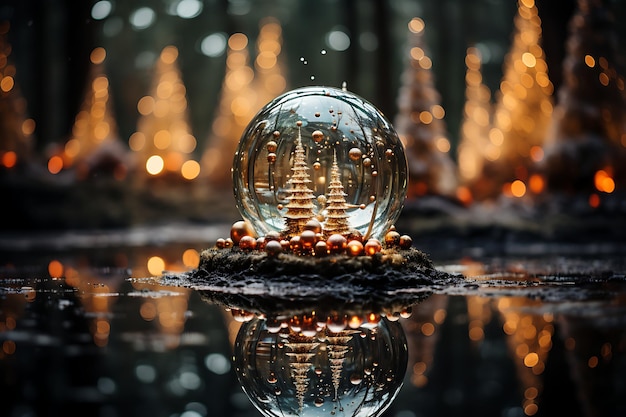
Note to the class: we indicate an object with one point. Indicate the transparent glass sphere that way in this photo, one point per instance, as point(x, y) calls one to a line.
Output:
point(320, 152)
point(354, 372)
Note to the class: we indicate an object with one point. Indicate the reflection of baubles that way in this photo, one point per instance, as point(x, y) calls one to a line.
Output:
point(354, 372)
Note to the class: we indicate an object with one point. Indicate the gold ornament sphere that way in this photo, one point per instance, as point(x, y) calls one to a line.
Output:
point(307, 239)
point(247, 242)
point(372, 247)
point(355, 248)
point(273, 247)
point(355, 154)
point(321, 248)
point(240, 229)
point(313, 225)
point(405, 241)
point(392, 239)
point(272, 146)
point(336, 243)
point(318, 136)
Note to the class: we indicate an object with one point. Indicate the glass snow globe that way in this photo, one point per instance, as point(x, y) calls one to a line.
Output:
point(287, 371)
point(320, 153)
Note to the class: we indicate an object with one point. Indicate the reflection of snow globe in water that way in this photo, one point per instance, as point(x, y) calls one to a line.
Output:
point(320, 153)
point(288, 371)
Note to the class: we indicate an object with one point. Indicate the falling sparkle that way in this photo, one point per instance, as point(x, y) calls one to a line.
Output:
point(323, 52)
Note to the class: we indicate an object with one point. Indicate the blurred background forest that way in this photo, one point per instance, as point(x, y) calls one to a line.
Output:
point(54, 46)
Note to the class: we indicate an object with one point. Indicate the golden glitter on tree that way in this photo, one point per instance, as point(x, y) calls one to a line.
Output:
point(337, 347)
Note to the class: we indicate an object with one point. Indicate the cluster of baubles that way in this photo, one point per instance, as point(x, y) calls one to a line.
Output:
point(311, 241)
point(309, 324)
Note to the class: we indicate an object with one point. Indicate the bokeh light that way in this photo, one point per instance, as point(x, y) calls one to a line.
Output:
point(213, 45)
point(101, 9)
point(142, 18)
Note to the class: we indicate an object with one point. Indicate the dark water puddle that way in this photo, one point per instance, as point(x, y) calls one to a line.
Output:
point(508, 336)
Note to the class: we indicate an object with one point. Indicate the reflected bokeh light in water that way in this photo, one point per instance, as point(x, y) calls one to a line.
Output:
point(325, 370)
point(499, 343)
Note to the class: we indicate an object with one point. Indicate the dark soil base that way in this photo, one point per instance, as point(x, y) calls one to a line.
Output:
point(288, 284)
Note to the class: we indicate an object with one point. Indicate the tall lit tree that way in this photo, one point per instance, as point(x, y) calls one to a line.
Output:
point(586, 148)
point(420, 124)
point(244, 92)
point(523, 106)
point(300, 206)
point(270, 79)
point(336, 209)
point(163, 140)
point(237, 106)
point(475, 145)
point(95, 144)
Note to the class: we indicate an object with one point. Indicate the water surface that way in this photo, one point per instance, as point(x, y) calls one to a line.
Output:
point(94, 330)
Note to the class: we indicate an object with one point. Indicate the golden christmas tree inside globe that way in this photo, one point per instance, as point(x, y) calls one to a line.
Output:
point(320, 159)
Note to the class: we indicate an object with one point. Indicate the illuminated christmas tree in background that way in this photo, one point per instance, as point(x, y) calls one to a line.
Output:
point(95, 146)
point(15, 128)
point(336, 215)
point(244, 91)
point(300, 207)
point(474, 147)
point(585, 151)
point(163, 141)
point(269, 80)
point(420, 124)
point(523, 111)
point(237, 106)
point(524, 145)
